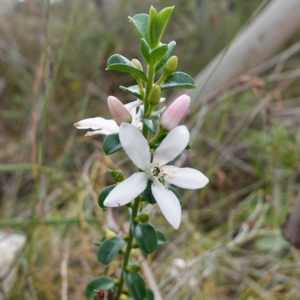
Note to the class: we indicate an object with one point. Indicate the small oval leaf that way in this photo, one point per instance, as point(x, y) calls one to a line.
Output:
point(149, 294)
point(140, 23)
point(120, 63)
point(134, 90)
point(151, 123)
point(101, 282)
point(178, 79)
point(147, 193)
point(161, 239)
point(168, 54)
point(158, 113)
point(146, 237)
point(111, 144)
point(157, 24)
point(109, 249)
point(104, 194)
point(158, 53)
point(136, 285)
point(145, 50)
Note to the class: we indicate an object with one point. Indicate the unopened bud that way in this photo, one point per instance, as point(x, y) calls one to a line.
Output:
point(132, 253)
point(123, 297)
point(137, 63)
point(175, 112)
point(118, 111)
point(144, 217)
point(170, 66)
point(154, 95)
point(109, 234)
point(135, 268)
point(117, 175)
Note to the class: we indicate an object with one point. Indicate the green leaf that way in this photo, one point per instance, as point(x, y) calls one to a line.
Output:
point(158, 53)
point(134, 90)
point(156, 24)
point(104, 194)
point(146, 237)
point(145, 50)
point(150, 122)
point(136, 285)
point(149, 295)
point(101, 282)
point(178, 79)
point(159, 112)
point(148, 196)
point(120, 63)
point(168, 54)
point(161, 239)
point(140, 23)
point(109, 249)
point(111, 144)
point(147, 193)
point(151, 38)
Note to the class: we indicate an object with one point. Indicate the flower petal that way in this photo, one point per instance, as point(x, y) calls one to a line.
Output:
point(135, 145)
point(136, 118)
point(118, 111)
point(174, 143)
point(127, 190)
point(186, 178)
point(98, 123)
point(101, 131)
point(167, 202)
point(175, 112)
point(131, 105)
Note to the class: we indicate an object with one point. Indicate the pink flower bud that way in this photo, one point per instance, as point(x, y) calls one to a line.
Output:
point(118, 111)
point(175, 112)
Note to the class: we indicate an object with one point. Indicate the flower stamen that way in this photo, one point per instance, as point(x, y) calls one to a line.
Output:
point(156, 171)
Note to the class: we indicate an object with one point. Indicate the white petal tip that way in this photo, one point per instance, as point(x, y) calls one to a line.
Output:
point(77, 125)
point(204, 182)
point(89, 134)
point(109, 205)
point(175, 226)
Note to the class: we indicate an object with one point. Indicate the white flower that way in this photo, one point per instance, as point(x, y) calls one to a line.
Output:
point(137, 148)
point(104, 126)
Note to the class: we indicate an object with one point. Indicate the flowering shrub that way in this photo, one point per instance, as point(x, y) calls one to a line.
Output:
point(151, 138)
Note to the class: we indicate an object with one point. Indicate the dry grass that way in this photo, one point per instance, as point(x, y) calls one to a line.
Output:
point(52, 61)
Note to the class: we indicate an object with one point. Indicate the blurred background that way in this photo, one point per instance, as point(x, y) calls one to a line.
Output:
point(245, 138)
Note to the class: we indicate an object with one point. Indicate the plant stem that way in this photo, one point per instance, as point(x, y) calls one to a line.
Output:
point(135, 208)
point(129, 246)
point(150, 75)
point(157, 137)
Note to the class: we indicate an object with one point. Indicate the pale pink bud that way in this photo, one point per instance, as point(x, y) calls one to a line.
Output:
point(175, 112)
point(118, 111)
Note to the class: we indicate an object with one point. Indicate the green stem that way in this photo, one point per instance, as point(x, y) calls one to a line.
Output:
point(150, 75)
point(129, 247)
point(140, 84)
point(145, 131)
point(135, 208)
point(161, 79)
point(160, 133)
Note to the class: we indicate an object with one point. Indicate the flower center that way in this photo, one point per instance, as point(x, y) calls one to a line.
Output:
point(156, 171)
